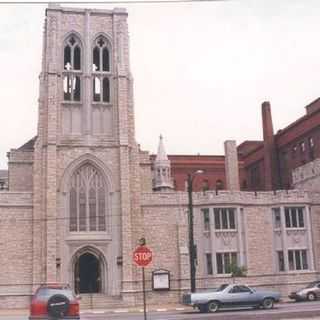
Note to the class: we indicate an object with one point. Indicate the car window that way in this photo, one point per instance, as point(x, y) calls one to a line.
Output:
point(312, 284)
point(235, 289)
point(244, 289)
point(239, 289)
point(222, 287)
point(46, 293)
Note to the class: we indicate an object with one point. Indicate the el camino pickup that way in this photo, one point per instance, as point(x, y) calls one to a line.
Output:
point(231, 296)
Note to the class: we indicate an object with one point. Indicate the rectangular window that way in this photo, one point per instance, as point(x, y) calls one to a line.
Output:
point(311, 143)
point(276, 218)
point(255, 177)
point(209, 263)
point(224, 218)
point(311, 148)
point(294, 217)
point(206, 219)
point(297, 260)
point(294, 151)
point(280, 261)
point(225, 260)
point(302, 146)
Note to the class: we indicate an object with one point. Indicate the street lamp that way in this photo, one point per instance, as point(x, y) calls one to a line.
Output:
point(192, 251)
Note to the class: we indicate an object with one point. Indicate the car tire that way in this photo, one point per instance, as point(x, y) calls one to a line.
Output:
point(213, 306)
point(311, 296)
point(267, 303)
point(203, 308)
point(58, 306)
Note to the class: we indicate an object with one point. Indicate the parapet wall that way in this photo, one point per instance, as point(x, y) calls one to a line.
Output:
point(226, 197)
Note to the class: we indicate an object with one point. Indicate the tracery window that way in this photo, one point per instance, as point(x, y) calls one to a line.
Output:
point(72, 69)
point(87, 199)
point(101, 70)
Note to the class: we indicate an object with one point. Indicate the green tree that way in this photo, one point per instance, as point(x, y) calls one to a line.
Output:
point(236, 271)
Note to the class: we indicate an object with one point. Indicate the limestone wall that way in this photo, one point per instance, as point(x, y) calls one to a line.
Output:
point(16, 249)
point(20, 167)
point(166, 229)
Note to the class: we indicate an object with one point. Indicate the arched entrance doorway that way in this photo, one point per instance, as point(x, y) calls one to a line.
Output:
point(87, 274)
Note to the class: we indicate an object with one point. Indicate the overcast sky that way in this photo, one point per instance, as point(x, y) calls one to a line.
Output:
point(201, 70)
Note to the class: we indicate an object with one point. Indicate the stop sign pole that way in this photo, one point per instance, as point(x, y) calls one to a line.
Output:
point(142, 256)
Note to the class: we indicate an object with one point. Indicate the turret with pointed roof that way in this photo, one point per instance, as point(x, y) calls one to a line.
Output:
point(162, 169)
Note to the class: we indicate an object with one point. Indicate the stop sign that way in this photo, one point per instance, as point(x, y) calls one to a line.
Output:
point(142, 256)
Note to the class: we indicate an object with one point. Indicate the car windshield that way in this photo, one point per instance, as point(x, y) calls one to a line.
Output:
point(222, 287)
point(312, 284)
point(46, 293)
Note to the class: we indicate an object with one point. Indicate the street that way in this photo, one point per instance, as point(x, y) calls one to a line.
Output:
point(306, 310)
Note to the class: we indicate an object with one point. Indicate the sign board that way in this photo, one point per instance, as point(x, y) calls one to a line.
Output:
point(142, 256)
point(161, 279)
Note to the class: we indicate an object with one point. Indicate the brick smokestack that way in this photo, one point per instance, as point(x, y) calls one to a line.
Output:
point(270, 163)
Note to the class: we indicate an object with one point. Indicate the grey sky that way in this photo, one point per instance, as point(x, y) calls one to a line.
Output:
point(201, 70)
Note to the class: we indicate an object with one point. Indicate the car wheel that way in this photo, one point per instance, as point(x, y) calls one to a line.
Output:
point(311, 296)
point(203, 308)
point(213, 306)
point(58, 306)
point(267, 303)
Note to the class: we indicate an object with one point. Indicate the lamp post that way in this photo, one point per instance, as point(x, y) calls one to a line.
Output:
point(192, 252)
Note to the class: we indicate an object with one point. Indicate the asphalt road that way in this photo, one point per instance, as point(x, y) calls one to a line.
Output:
point(305, 310)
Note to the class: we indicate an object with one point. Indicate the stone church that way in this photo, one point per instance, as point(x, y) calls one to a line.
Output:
point(81, 193)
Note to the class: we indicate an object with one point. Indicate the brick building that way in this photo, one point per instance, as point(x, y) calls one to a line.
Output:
point(263, 165)
point(81, 193)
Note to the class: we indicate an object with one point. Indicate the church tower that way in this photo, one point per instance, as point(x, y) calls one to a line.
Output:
point(86, 177)
point(162, 170)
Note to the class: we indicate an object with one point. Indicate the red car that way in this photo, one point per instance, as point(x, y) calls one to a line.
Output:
point(54, 302)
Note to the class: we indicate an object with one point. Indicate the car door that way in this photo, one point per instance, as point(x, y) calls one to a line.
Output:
point(240, 296)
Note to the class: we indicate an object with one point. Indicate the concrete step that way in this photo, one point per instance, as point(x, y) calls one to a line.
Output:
point(101, 301)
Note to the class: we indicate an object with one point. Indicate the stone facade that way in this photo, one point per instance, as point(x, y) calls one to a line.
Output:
point(81, 194)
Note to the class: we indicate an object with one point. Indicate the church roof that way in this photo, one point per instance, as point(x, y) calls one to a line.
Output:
point(28, 145)
point(3, 174)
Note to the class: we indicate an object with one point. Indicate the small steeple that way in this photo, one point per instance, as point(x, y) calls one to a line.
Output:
point(161, 155)
point(162, 169)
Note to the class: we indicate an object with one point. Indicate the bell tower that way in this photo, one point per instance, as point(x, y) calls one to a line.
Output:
point(86, 167)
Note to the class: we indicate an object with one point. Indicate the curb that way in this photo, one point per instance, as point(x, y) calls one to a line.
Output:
point(89, 311)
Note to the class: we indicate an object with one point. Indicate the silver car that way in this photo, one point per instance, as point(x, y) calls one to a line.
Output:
point(311, 292)
point(231, 296)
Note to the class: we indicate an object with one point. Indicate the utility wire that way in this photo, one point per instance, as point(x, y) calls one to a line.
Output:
point(115, 2)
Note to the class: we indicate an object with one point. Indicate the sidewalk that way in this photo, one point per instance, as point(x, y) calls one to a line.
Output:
point(152, 308)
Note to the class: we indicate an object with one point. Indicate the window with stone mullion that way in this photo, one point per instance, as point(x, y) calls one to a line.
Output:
point(72, 70)
point(224, 218)
point(101, 71)
point(87, 200)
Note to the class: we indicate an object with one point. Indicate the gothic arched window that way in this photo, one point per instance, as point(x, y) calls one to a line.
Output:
point(219, 184)
point(87, 200)
point(72, 69)
point(101, 70)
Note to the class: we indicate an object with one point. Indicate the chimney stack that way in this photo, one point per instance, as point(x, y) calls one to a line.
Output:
point(270, 163)
point(231, 165)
